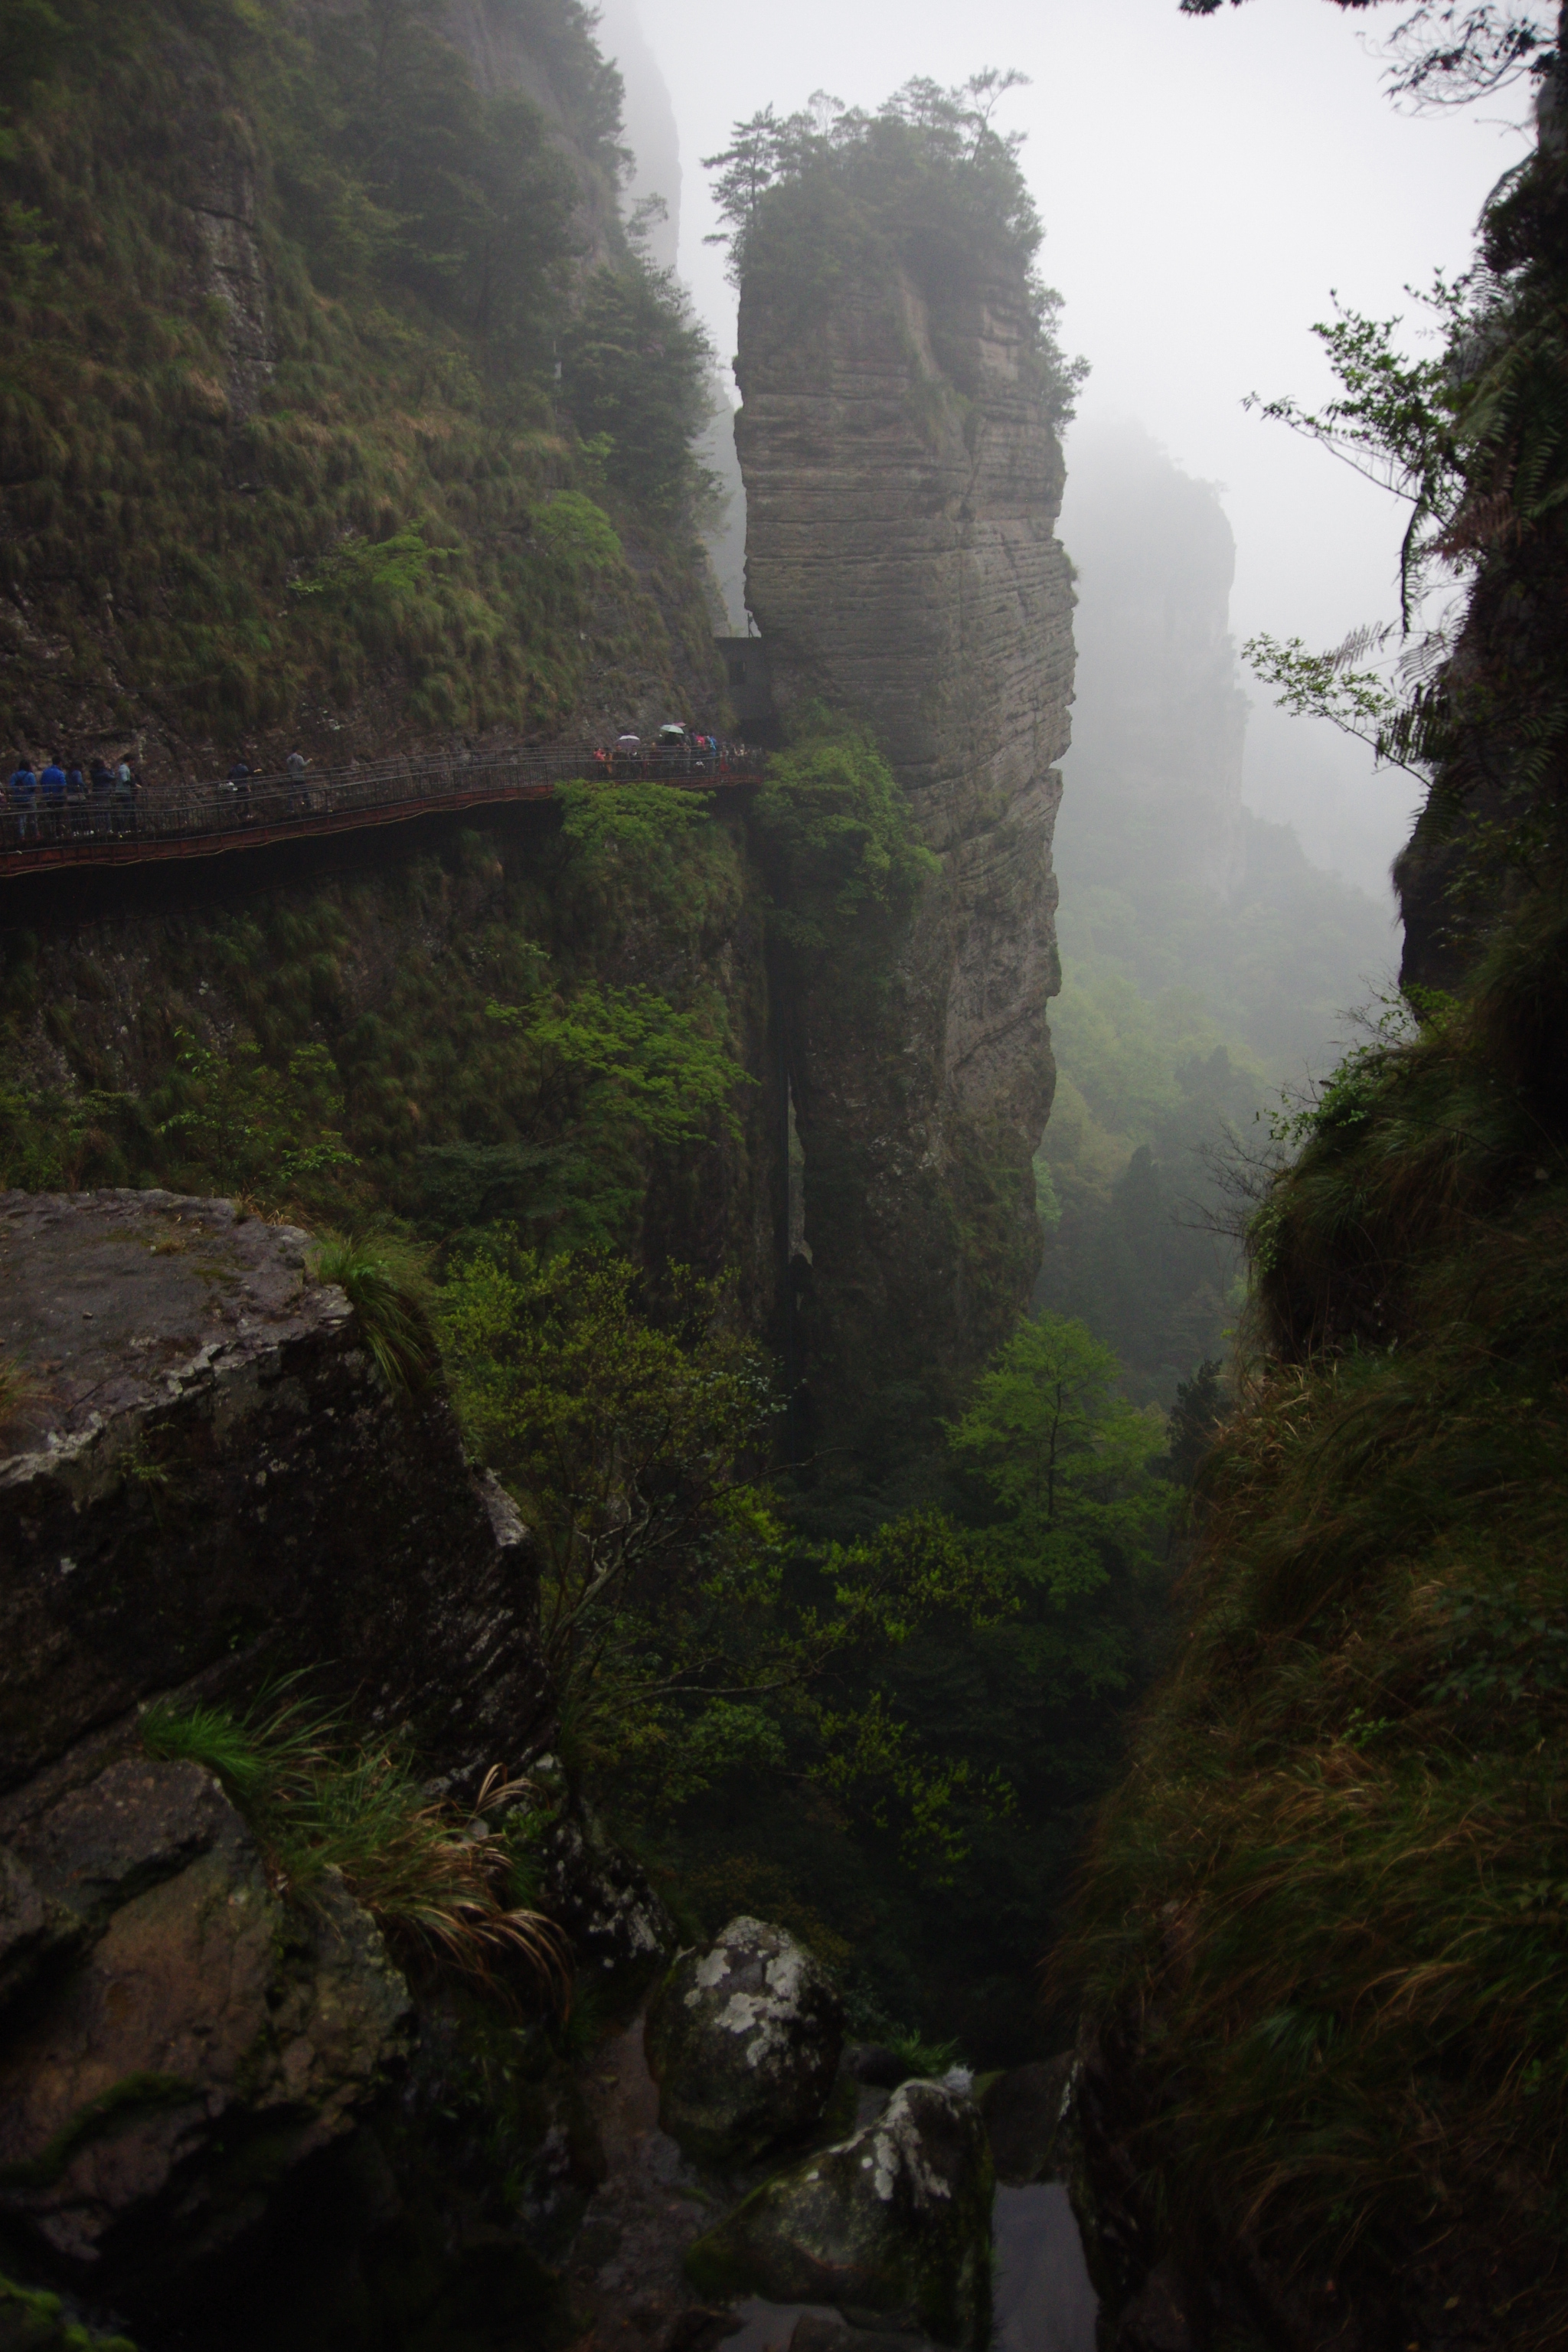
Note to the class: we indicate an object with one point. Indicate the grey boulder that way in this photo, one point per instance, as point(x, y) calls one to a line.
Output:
point(896, 2219)
point(743, 2041)
point(207, 2041)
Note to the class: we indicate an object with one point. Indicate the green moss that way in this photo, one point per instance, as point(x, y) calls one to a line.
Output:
point(32, 2320)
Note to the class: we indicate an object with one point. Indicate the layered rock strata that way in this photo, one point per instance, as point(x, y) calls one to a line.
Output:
point(902, 481)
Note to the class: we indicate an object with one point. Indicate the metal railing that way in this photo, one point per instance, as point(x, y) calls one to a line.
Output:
point(174, 820)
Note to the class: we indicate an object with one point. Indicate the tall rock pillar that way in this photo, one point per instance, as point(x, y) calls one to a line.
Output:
point(902, 483)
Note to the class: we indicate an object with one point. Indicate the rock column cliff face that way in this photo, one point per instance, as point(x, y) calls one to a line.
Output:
point(902, 483)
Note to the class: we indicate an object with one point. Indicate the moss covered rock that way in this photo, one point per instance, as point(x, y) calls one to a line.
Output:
point(743, 2040)
point(212, 2040)
point(895, 2220)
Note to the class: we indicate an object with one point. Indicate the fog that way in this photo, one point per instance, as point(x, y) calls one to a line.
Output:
point(1207, 186)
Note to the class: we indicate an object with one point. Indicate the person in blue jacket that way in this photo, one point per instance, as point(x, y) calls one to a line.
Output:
point(52, 794)
point(23, 794)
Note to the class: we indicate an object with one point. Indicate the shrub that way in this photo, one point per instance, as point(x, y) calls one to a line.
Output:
point(838, 827)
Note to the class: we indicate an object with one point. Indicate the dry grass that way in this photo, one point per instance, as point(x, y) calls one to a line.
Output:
point(439, 1881)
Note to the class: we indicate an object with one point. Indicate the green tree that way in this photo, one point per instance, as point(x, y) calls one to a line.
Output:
point(250, 1127)
point(626, 1434)
point(681, 1626)
point(635, 369)
point(838, 828)
point(1067, 1466)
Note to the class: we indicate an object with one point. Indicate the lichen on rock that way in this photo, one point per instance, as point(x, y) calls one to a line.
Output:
point(743, 2040)
point(896, 2219)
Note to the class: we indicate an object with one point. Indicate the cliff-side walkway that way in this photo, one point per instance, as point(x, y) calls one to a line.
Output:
point(192, 820)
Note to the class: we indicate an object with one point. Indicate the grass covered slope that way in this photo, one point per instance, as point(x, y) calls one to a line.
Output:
point(559, 1024)
point(325, 404)
point(1325, 1921)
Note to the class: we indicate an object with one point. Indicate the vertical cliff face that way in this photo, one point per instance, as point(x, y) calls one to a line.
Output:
point(902, 482)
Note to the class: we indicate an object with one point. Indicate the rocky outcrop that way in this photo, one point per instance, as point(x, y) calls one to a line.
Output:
point(209, 1479)
point(895, 2220)
point(211, 2040)
point(743, 2041)
point(903, 479)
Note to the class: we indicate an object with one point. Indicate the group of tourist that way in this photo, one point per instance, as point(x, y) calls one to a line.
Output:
point(51, 803)
point(675, 750)
point(58, 801)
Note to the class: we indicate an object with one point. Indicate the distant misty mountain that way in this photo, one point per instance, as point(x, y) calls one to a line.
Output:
point(1164, 869)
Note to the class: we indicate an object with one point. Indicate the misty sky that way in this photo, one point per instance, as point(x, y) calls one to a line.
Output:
point(1205, 184)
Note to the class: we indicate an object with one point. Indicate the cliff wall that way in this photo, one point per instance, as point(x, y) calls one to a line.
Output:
point(902, 481)
point(414, 967)
point(206, 1473)
point(290, 481)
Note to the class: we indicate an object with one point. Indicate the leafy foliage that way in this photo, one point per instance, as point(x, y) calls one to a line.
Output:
point(624, 1438)
point(1064, 1459)
point(249, 1127)
point(838, 827)
point(634, 370)
point(632, 1059)
point(816, 198)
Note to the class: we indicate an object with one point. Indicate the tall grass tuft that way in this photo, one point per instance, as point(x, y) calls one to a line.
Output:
point(387, 1282)
point(440, 1882)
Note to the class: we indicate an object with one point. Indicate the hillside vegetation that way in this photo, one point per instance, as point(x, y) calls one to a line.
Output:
point(326, 408)
point(1323, 1923)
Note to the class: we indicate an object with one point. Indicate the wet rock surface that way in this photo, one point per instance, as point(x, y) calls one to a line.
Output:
point(1023, 2113)
point(743, 2040)
point(894, 2223)
point(209, 1478)
point(625, 2265)
point(209, 2041)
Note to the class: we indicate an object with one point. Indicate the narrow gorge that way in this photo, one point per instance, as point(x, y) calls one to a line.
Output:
point(742, 1603)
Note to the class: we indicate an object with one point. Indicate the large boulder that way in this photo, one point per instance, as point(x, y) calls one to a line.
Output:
point(895, 2220)
point(1023, 2111)
point(206, 1477)
point(156, 2094)
point(743, 2041)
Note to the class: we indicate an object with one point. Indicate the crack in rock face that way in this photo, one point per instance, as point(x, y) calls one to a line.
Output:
point(745, 2041)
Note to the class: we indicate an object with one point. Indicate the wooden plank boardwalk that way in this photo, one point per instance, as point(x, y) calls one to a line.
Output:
point(170, 823)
